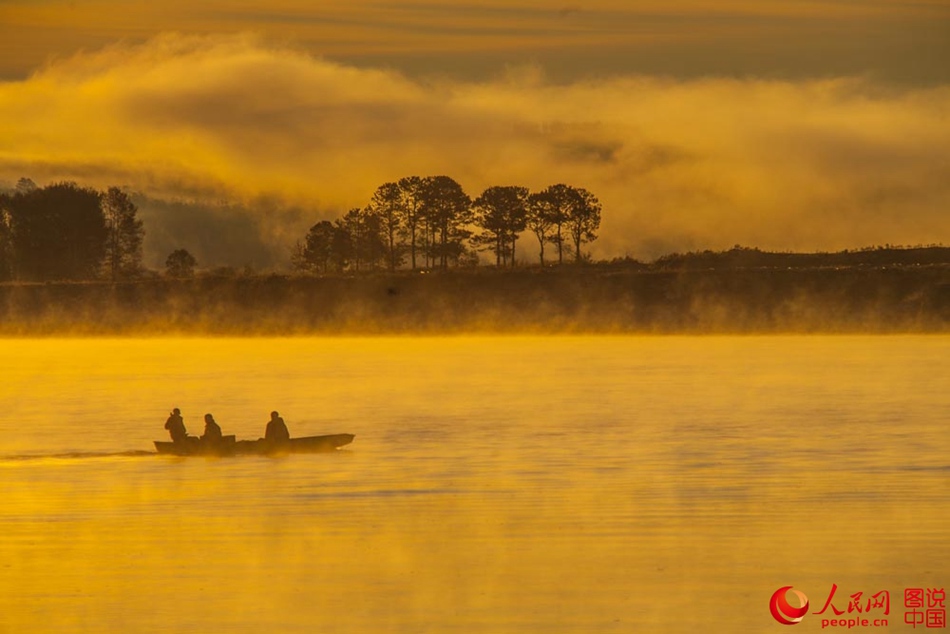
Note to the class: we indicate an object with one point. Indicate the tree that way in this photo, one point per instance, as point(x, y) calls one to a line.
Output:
point(373, 245)
point(298, 257)
point(180, 264)
point(360, 230)
point(317, 248)
point(448, 209)
point(410, 190)
point(25, 186)
point(501, 214)
point(562, 198)
point(56, 232)
point(583, 220)
point(326, 248)
point(539, 219)
point(6, 240)
point(386, 206)
point(567, 209)
point(349, 235)
point(125, 233)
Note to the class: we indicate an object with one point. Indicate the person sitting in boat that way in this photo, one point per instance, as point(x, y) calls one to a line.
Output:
point(176, 426)
point(276, 429)
point(212, 430)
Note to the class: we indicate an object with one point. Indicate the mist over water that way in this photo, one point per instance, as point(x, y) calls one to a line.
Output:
point(496, 484)
point(568, 300)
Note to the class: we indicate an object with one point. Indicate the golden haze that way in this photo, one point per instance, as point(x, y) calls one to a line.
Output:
point(678, 164)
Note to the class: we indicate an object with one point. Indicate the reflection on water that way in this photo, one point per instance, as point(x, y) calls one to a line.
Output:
point(495, 485)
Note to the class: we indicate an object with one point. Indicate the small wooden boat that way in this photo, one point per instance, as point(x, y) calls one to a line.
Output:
point(230, 446)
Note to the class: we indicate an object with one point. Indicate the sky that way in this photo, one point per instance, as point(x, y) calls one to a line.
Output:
point(785, 125)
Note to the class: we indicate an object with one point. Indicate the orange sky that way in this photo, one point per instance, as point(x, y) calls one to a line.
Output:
point(897, 39)
point(799, 125)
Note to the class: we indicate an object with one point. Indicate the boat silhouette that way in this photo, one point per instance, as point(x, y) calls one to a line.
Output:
point(230, 446)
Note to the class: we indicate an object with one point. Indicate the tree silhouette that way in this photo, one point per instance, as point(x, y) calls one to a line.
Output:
point(349, 236)
point(410, 189)
point(25, 186)
point(501, 214)
point(56, 232)
point(373, 244)
point(318, 244)
point(448, 210)
point(360, 238)
point(125, 233)
point(562, 198)
point(434, 215)
point(180, 264)
point(539, 219)
point(386, 205)
point(298, 257)
point(6, 239)
point(326, 248)
point(583, 219)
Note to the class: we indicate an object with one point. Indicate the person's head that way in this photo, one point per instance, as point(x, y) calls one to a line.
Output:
point(176, 411)
point(209, 418)
point(274, 415)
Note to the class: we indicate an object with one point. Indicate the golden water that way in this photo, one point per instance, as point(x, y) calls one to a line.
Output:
point(495, 485)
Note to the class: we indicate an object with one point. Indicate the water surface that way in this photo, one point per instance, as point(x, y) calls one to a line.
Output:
point(510, 484)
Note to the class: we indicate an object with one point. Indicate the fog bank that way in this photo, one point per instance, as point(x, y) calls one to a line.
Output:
point(679, 164)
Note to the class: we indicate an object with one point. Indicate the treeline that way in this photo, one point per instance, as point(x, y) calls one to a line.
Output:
point(749, 258)
point(72, 233)
point(430, 222)
point(67, 232)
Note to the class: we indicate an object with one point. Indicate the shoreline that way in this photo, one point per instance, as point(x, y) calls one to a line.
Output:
point(566, 300)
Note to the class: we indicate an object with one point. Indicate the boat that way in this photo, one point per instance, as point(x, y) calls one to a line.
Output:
point(230, 446)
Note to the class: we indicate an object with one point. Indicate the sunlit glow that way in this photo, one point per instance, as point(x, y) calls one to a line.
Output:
point(822, 164)
point(496, 483)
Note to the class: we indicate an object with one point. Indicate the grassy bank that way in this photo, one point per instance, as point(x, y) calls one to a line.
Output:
point(564, 300)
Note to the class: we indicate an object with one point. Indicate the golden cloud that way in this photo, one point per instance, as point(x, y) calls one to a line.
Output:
point(678, 164)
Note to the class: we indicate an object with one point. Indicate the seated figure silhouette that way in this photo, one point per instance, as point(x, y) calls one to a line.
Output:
point(276, 429)
point(176, 426)
point(212, 430)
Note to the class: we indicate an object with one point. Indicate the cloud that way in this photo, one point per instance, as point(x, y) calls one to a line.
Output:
point(902, 40)
point(678, 164)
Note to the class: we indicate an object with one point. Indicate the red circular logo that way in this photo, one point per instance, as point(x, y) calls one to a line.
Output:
point(783, 611)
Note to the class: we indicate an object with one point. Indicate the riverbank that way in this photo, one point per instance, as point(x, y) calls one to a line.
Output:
point(555, 300)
